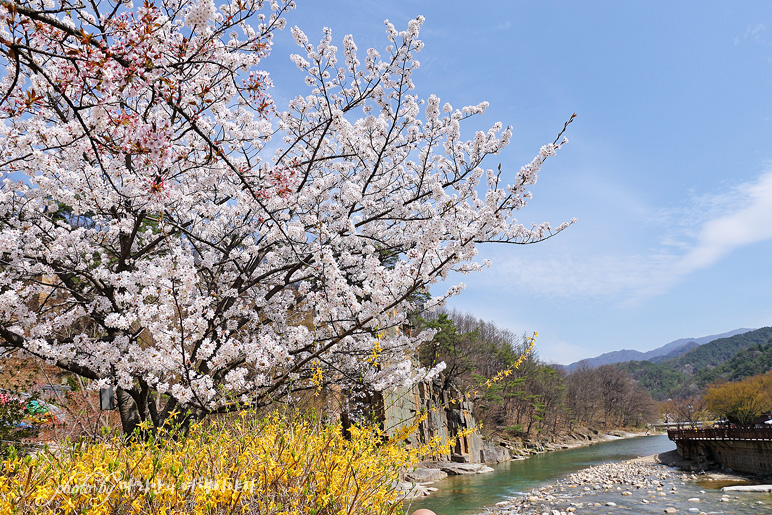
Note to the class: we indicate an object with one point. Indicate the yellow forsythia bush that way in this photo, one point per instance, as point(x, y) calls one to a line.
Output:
point(275, 465)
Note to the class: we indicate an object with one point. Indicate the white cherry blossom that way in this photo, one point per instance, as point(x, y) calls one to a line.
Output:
point(148, 241)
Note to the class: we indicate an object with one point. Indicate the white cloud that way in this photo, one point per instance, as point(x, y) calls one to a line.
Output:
point(582, 275)
point(560, 351)
point(698, 236)
point(756, 32)
point(749, 222)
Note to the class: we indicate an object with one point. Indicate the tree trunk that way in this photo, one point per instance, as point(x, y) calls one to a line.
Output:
point(127, 408)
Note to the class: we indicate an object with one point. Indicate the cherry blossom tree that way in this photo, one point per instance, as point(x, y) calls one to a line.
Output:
point(150, 241)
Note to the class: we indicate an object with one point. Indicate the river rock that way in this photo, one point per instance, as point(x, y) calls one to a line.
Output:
point(670, 510)
point(494, 452)
point(604, 480)
point(410, 491)
point(425, 475)
point(748, 488)
point(457, 469)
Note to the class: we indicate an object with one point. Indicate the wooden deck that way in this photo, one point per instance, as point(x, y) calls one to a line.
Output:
point(722, 433)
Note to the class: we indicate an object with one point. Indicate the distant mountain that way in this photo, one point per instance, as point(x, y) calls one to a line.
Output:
point(730, 359)
point(720, 350)
point(680, 350)
point(667, 351)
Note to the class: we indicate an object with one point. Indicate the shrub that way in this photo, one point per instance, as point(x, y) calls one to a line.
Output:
point(741, 402)
point(276, 465)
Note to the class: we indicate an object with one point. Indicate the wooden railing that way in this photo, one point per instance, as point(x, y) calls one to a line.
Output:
point(721, 433)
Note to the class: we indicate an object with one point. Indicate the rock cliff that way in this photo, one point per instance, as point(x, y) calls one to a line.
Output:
point(448, 415)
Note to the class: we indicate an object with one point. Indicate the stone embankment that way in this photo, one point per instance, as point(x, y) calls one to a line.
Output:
point(521, 449)
point(636, 486)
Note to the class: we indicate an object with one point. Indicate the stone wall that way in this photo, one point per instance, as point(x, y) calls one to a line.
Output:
point(747, 450)
point(750, 457)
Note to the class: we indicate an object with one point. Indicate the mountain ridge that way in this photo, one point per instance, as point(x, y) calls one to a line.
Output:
point(667, 351)
point(733, 358)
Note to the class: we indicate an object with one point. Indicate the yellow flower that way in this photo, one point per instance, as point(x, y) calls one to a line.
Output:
point(242, 464)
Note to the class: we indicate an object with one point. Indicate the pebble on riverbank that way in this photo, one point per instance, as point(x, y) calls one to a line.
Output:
point(567, 494)
point(418, 483)
point(610, 486)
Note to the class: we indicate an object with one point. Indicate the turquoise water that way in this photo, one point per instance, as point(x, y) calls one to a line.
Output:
point(464, 495)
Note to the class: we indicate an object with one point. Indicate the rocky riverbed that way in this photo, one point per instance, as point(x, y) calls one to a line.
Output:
point(426, 479)
point(641, 486)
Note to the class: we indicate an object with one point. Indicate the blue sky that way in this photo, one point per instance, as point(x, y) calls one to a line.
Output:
point(668, 169)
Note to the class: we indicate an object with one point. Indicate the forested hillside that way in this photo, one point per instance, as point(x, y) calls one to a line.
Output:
point(719, 351)
point(659, 379)
point(732, 358)
point(752, 361)
point(535, 398)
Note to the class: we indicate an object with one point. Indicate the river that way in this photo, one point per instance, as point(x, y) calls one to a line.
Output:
point(465, 495)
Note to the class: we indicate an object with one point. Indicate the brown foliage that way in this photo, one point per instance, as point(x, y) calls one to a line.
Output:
point(741, 402)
